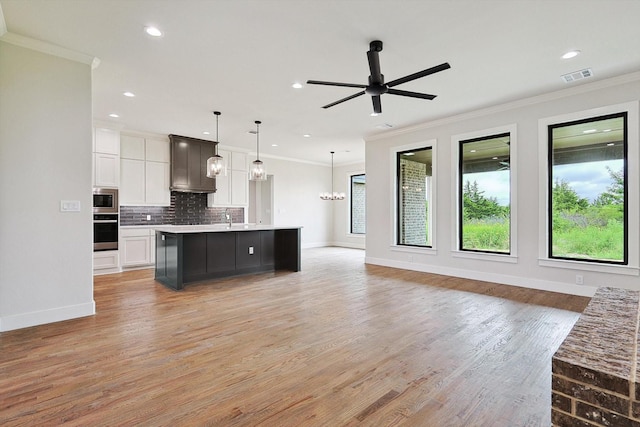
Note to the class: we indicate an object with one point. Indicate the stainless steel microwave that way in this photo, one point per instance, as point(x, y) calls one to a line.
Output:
point(105, 200)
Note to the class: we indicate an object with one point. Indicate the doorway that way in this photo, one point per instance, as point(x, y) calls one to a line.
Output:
point(261, 201)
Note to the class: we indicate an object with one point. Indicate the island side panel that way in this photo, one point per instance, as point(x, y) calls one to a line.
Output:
point(287, 249)
point(169, 260)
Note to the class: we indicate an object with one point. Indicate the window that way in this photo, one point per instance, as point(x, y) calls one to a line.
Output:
point(415, 205)
point(358, 199)
point(485, 194)
point(588, 190)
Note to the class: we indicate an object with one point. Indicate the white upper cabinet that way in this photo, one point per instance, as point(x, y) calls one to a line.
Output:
point(106, 170)
point(157, 151)
point(144, 171)
point(106, 141)
point(132, 147)
point(106, 157)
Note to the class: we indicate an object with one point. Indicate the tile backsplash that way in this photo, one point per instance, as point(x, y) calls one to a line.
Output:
point(185, 209)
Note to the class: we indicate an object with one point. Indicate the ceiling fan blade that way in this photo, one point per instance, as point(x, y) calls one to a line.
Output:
point(343, 100)
point(318, 82)
point(377, 104)
point(374, 67)
point(411, 94)
point(419, 74)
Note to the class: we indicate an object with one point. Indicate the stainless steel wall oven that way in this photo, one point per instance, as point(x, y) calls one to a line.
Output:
point(105, 232)
point(105, 219)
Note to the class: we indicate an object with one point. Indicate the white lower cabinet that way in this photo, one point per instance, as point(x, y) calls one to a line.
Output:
point(137, 247)
point(105, 261)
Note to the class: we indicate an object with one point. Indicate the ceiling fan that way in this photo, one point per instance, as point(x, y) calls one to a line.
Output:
point(377, 86)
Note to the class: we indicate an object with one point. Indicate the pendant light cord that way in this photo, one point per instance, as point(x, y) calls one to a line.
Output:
point(332, 174)
point(258, 139)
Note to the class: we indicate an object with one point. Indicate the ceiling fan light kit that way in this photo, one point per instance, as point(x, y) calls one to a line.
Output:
point(215, 163)
point(377, 87)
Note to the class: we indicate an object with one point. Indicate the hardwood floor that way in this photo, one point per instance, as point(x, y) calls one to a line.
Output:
point(337, 344)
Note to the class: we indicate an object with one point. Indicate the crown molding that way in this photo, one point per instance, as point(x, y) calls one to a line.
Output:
point(48, 48)
point(538, 99)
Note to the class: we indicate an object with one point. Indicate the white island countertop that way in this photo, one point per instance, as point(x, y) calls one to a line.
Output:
point(217, 228)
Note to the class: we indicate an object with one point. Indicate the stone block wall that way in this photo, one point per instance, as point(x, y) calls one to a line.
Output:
point(358, 207)
point(595, 371)
point(413, 223)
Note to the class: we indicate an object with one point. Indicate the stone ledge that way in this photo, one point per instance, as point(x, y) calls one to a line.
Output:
point(594, 370)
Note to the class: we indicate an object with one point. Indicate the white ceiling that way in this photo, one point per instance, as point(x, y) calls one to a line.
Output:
point(242, 56)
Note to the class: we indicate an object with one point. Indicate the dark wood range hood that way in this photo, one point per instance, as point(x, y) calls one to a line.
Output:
point(189, 164)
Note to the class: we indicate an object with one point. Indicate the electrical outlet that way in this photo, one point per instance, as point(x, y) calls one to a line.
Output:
point(579, 279)
point(148, 217)
point(250, 250)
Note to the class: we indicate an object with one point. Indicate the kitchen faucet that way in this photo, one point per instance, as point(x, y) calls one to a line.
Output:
point(228, 217)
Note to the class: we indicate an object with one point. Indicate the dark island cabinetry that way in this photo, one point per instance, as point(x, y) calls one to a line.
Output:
point(183, 258)
point(189, 164)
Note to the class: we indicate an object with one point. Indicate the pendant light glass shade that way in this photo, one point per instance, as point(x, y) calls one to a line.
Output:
point(257, 171)
point(333, 195)
point(215, 163)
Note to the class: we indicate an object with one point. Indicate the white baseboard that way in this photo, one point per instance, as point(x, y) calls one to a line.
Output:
point(34, 318)
point(523, 282)
point(314, 245)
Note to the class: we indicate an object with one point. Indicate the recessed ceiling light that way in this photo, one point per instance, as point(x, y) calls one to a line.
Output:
point(297, 85)
point(590, 131)
point(129, 94)
point(153, 31)
point(307, 135)
point(274, 145)
point(571, 54)
point(114, 115)
point(206, 132)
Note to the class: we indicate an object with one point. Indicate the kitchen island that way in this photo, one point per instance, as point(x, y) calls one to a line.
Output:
point(194, 253)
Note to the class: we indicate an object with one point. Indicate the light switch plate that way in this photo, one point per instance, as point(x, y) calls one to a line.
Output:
point(69, 205)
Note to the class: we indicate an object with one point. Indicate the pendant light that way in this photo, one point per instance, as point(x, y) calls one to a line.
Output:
point(215, 164)
point(257, 171)
point(333, 195)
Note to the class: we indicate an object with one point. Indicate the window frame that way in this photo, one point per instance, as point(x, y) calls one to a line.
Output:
point(393, 206)
point(351, 175)
point(456, 189)
point(460, 194)
point(550, 128)
point(632, 170)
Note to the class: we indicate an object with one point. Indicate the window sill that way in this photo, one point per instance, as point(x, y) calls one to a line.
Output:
point(414, 250)
point(356, 235)
point(511, 259)
point(589, 266)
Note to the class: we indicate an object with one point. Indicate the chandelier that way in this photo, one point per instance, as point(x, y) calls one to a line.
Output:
point(333, 195)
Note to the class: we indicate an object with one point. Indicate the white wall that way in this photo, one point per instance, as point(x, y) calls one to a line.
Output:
point(342, 208)
point(296, 198)
point(45, 157)
point(525, 269)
